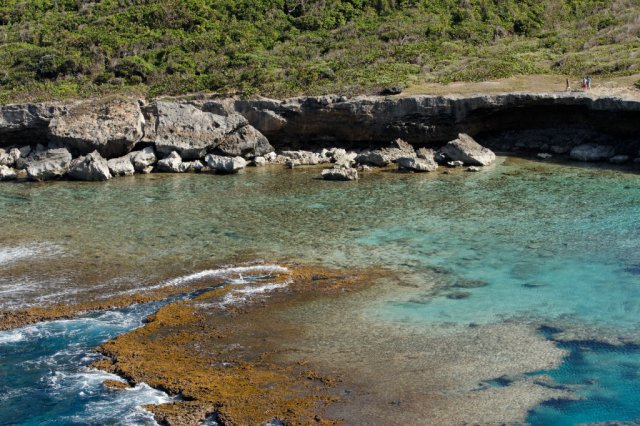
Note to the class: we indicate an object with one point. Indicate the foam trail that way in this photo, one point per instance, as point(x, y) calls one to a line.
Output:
point(215, 273)
point(9, 255)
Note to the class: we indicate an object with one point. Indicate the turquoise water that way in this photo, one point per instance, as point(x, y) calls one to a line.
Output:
point(535, 243)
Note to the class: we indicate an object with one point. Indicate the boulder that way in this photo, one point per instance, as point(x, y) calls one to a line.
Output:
point(260, 161)
point(121, 166)
point(192, 132)
point(340, 173)
point(143, 159)
point(417, 164)
point(592, 152)
point(170, 164)
point(7, 173)
point(225, 164)
point(48, 164)
point(455, 164)
point(90, 167)
point(112, 128)
point(467, 150)
point(473, 169)
point(385, 156)
point(9, 158)
point(191, 166)
point(246, 142)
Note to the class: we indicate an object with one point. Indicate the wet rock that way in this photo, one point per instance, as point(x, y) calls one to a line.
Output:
point(467, 150)
point(454, 164)
point(470, 283)
point(111, 128)
point(143, 159)
point(417, 164)
point(225, 164)
point(48, 164)
point(246, 142)
point(592, 152)
point(458, 295)
point(92, 167)
point(473, 169)
point(171, 164)
point(619, 159)
point(260, 161)
point(340, 173)
point(192, 132)
point(121, 166)
point(544, 155)
point(7, 173)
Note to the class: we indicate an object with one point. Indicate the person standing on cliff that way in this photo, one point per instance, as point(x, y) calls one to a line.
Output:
point(588, 83)
point(568, 88)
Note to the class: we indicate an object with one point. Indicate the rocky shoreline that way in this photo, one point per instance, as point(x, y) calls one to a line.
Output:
point(99, 139)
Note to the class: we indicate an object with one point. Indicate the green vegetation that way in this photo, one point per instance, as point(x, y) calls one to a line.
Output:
point(79, 48)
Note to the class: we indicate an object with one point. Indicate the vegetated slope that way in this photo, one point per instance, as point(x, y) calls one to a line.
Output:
point(77, 48)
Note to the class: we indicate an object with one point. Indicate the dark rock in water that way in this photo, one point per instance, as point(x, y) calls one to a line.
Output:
point(459, 295)
point(467, 150)
point(634, 269)
point(48, 164)
point(90, 167)
point(533, 285)
point(470, 284)
point(619, 159)
point(111, 128)
point(592, 152)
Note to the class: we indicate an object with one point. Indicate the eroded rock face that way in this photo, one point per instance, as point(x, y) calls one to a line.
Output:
point(7, 173)
point(385, 156)
point(592, 152)
point(48, 164)
point(9, 158)
point(467, 150)
point(303, 158)
point(191, 132)
point(340, 173)
point(112, 128)
point(246, 142)
point(89, 168)
point(225, 164)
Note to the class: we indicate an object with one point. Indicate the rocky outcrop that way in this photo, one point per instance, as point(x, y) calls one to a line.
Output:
point(430, 120)
point(112, 128)
point(303, 158)
point(340, 173)
point(24, 124)
point(90, 167)
point(191, 132)
point(592, 152)
point(48, 164)
point(467, 150)
point(225, 164)
point(9, 158)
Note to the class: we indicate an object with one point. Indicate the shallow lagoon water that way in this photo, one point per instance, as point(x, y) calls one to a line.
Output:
point(552, 244)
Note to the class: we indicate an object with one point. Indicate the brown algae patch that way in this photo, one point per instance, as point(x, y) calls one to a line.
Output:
point(223, 358)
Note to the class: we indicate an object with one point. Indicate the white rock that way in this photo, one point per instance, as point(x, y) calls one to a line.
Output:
point(225, 164)
point(143, 159)
point(417, 164)
point(121, 166)
point(48, 164)
point(171, 164)
point(7, 173)
point(467, 150)
point(90, 167)
point(340, 173)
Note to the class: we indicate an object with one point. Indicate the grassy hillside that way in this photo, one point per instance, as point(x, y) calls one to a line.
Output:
point(71, 48)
